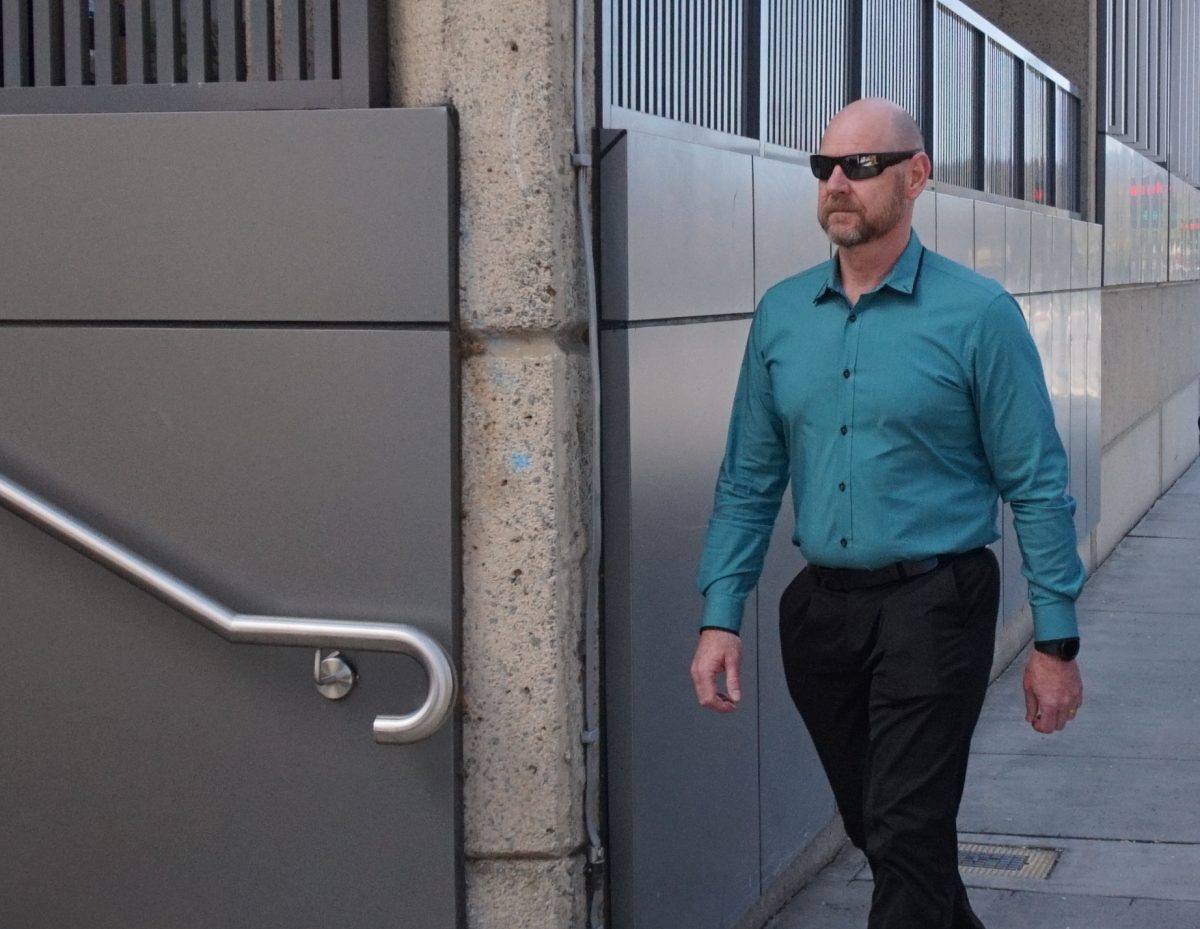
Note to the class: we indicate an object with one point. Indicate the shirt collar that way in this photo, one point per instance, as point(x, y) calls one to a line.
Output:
point(902, 278)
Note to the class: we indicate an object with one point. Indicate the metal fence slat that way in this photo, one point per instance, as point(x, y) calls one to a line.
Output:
point(137, 22)
point(260, 51)
point(227, 40)
point(47, 43)
point(197, 30)
point(105, 41)
point(76, 66)
point(16, 43)
point(165, 31)
point(322, 37)
point(290, 23)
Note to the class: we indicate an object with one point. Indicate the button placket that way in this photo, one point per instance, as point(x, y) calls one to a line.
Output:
point(850, 341)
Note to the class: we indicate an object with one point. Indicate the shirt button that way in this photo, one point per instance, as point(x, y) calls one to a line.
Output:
point(853, 317)
point(845, 372)
point(842, 486)
point(844, 543)
point(844, 430)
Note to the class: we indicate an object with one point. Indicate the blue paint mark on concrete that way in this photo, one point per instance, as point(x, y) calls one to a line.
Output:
point(518, 461)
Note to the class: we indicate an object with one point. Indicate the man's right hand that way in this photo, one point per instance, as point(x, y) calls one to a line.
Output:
point(718, 652)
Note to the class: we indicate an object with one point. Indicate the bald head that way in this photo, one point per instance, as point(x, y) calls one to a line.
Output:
point(868, 208)
point(871, 124)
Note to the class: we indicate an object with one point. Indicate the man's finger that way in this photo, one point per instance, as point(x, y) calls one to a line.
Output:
point(733, 680)
point(1031, 706)
point(705, 683)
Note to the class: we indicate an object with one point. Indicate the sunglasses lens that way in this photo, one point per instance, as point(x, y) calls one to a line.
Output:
point(822, 166)
point(861, 167)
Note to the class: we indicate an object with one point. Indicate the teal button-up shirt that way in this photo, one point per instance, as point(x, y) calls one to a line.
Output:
point(899, 422)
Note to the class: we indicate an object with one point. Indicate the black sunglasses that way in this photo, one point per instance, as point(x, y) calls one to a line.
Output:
point(857, 167)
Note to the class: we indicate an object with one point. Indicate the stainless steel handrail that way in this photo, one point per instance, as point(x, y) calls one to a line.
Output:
point(256, 630)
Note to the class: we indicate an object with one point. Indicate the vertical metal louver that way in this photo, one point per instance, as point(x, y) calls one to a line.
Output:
point(682, 60)
point(88, 55)
point(1184, 123)
point(893, 53)
point(1037, 137)
point(1137, 55)
point(1002, 152)
point(807, 69)
point(778, 70)
point(1066, 149)
point(955, 99)
point(1114, 58)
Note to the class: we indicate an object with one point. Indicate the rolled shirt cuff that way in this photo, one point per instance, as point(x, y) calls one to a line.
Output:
point(722, 611)
point(1055, 621)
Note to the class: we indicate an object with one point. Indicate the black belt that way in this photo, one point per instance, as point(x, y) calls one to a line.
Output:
point(856, 578)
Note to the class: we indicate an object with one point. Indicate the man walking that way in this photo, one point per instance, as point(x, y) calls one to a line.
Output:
point(901, 394)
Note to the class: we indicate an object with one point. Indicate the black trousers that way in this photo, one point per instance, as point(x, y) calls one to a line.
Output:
point(889, 681)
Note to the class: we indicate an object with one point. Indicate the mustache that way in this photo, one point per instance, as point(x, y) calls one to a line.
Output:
point(838, 203)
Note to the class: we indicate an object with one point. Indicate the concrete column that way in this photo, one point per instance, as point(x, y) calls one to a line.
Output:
point(506, 66)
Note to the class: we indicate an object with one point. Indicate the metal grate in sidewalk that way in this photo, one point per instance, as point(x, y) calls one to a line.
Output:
point(1006, 860)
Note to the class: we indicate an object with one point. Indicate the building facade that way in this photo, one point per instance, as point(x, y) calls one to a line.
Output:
point(405, 312)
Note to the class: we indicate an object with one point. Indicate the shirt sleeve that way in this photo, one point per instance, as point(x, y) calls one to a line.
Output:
point(750, 484)
point(1028, 463)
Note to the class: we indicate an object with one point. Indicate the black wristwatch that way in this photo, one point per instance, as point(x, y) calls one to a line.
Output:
point(1064, 649)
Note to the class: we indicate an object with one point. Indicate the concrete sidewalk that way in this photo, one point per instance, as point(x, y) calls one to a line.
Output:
point(1118, 792)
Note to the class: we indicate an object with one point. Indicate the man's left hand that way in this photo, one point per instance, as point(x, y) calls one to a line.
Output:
point(1053, 692)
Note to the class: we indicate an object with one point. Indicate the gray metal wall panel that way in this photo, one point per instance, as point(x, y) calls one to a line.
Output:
point(614, 225)
point(1095, 255)
point(956, 228)
point(274, 216)
point(1039, 252)
point(1079, 254)
point(1017, 249)
point(1177, 205)
point(925, 218)
point(689, 227)
point(1094, 398)
point(1058, 372)
point(683, 797)
point(1041, 327)
point(1077, 304)
point(1159, 183)
point(1059, 270)
point(1117, 228)
point(209, 785)
point(203, 448)
point(1136, 217)
point(990, 252)
point(787, 236)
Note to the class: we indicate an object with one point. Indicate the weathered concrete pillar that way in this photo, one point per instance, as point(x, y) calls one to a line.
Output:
point(506, 66)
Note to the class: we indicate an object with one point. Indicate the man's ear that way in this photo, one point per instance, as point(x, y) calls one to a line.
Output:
point(919, 170)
